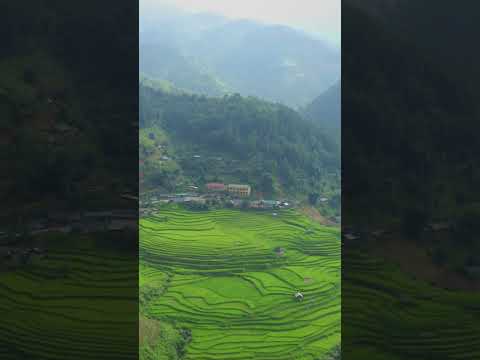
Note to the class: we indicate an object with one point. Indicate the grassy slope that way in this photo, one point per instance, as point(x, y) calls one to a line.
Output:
point(227, 284)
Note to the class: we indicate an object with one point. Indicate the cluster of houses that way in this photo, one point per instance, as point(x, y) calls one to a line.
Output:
point(232, 195)
point(212, 191)
point(259, 204)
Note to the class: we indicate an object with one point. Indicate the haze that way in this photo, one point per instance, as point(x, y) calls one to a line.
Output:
point(320, 17)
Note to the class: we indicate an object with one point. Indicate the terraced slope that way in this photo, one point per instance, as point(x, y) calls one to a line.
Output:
point(231, 279)
point(75, 304)
point(388, 315)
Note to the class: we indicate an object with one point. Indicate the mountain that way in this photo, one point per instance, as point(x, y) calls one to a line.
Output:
point(163, 61)
point(325, 110)
point(273, 62)
point(279, 64)
point(233, 139)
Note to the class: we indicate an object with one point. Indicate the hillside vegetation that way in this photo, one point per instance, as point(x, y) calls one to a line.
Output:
point(325, 111)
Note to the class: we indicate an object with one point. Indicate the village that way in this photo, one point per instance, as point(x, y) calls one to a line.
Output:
point(214, 194)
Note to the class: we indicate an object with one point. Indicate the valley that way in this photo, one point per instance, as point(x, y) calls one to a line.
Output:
point(239, 168)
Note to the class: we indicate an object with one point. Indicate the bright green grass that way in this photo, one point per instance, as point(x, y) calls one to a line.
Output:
point(391, 316)
point(227, 284)
point(77, 304)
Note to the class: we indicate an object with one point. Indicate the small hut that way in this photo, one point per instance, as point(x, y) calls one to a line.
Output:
point(298, 296)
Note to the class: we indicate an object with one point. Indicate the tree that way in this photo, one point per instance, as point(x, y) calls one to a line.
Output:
point(313, 198)
point(267, 183)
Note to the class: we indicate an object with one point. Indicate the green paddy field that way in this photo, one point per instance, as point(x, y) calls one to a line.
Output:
point(229, 277)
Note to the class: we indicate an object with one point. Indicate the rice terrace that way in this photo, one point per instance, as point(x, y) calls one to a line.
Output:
point(232, 281)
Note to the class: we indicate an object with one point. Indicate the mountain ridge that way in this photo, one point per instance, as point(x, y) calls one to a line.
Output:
point(274, 62)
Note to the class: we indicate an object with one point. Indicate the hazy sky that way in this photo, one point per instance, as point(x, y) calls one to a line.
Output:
point(319, 16)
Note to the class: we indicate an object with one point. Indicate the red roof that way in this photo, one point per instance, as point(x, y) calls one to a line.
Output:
point(215, 186)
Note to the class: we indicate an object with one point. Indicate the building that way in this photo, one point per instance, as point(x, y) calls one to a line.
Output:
point(256, 204)
point(239, 190)
point(195, 199)
point(215, 187)
point(236, 203)
point(298, 296)
point(269, 204)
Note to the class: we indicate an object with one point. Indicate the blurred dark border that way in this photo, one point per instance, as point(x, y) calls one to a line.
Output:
point(69, 179)
point(410, 201)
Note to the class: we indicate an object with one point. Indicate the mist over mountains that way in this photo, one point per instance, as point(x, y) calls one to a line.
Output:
point(213, 55)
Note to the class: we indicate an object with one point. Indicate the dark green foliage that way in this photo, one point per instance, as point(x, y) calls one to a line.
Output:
point(409, 157)
point(52, 82)
point(325, 110)
point(403, 139)
point(266, 184)
point(313, 198)
point(163, 61)
point(164, 341)
point(466, 227)
point(414, 221)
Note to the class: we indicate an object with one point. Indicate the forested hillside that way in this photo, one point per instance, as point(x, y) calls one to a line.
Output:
point(212, 55)
point(325, 110)
point(164, 61)
point(235, 138)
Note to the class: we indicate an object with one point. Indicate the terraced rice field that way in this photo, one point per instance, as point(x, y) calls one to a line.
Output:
point(388, 315)
point(226, 280)
point(78, 303)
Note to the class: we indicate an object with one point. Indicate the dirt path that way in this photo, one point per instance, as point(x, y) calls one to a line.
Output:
point(315, 215)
